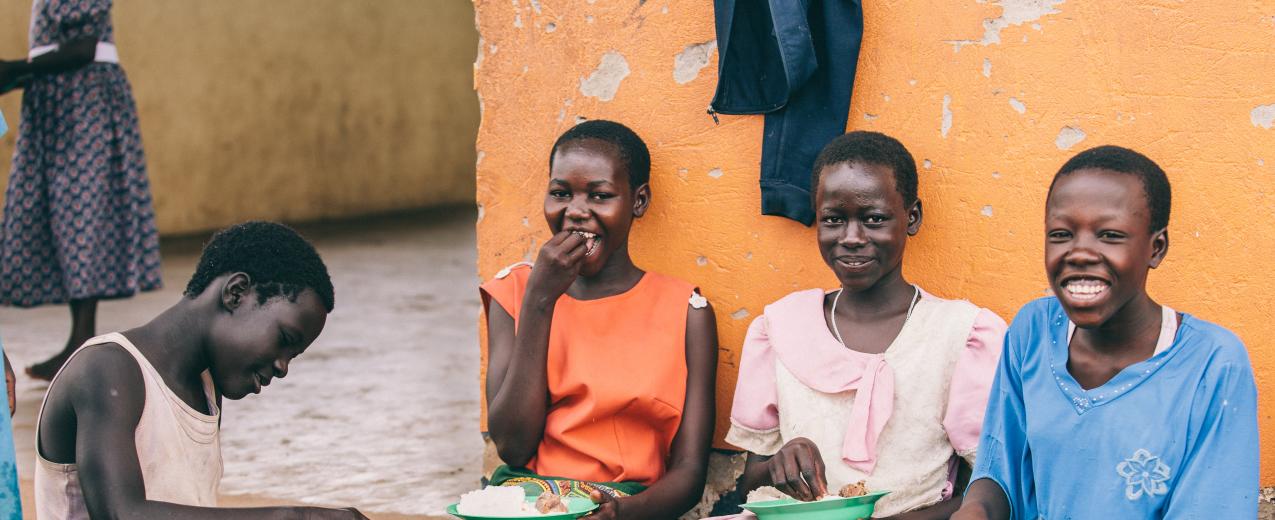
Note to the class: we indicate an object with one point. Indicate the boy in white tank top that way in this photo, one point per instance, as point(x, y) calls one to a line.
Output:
point(130, 425)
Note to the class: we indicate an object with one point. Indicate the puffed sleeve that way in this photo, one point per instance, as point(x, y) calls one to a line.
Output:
point(754, 414)
point(972, 382)
point(1004, 455)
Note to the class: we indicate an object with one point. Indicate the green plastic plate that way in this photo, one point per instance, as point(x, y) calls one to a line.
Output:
point(577, 508)
point(853, 508)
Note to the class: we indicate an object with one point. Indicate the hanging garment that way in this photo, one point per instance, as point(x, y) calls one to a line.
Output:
point(794, 61)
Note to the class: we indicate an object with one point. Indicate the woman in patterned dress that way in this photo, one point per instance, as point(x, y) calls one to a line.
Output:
point(78, 222)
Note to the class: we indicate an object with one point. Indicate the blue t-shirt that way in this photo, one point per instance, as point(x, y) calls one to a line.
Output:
point(10, 508)
point(1174, 436)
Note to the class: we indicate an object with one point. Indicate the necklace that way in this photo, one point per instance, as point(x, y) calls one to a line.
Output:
point(833, 313)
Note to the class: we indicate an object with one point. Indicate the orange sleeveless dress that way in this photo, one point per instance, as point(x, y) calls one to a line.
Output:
point(617, 378)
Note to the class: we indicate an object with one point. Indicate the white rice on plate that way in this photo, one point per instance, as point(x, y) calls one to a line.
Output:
point(498, 501)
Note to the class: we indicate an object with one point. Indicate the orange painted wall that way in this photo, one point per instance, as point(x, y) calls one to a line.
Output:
point(985, 94)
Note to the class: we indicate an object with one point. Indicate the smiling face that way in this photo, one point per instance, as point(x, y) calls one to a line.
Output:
point(254, 342)
point(589, 194)
point(1098, 243)
point(863, 224)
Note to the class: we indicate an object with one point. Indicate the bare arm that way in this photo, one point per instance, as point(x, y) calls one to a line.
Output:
point(517, 422)
point(107, 397)
point(69, 56)
point(985, 500)
point(10, 384)
point(517, 381)
point(683, 484)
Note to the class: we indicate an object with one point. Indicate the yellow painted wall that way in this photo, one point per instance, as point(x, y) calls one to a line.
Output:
point(291, 109)
point(1185, 82)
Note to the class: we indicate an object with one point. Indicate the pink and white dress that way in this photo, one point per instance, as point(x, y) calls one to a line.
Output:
point(897, 420)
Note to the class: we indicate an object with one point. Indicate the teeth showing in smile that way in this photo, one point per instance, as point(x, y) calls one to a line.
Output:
point(591, 241)
point(1085, 288)
point(855, 262)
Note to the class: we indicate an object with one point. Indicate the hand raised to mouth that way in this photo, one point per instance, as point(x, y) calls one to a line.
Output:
point(558, 265)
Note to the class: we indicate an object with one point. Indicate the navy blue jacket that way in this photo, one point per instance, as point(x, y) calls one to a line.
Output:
point(794, 61)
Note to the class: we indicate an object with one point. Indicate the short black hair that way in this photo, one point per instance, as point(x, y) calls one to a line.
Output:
point(277, 259)
point(871, 148)
point(1155, 184)
point(630, 148)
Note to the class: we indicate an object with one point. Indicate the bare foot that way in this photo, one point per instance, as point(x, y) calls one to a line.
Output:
point(45, 370)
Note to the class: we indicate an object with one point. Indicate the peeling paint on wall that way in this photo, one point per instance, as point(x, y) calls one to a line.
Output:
point(1068, 137)
point(946, 125)
point(715, 173)
point(997, 162)
point(1018, 105)
point(1013, 12)
point(605, 80)
point(1263, 116)
point(687, 64)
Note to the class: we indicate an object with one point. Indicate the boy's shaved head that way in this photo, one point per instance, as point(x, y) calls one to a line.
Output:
point(871, 148)
point(1155, 184)
point(277, 259)
point(630, 149)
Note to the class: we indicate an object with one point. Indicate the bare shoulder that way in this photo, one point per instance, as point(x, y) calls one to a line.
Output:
point(699, 312)
point(100, 389)
point(701, 328)
point(103, 375)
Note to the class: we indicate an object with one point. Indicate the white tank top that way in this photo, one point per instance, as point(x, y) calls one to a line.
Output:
point(179, 449)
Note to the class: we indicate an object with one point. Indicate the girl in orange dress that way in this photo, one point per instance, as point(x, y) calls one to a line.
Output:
point(601, 376)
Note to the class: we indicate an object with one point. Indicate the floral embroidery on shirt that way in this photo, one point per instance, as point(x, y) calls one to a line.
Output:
point(1144, 474)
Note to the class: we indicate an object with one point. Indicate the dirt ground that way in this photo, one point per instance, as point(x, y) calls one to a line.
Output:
point(380, 413)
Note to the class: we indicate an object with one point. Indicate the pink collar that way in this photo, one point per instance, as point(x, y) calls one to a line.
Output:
point(810, 352)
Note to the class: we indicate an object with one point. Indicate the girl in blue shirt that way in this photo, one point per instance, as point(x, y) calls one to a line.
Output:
point(1107, 404)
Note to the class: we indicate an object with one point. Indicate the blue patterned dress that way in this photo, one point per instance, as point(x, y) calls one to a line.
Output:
point(78, 220)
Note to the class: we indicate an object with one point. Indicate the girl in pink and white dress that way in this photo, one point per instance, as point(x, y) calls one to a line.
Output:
point(878, 380)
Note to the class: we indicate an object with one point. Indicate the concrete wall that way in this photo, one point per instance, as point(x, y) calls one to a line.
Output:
point(991, 97)
point(291, 109)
